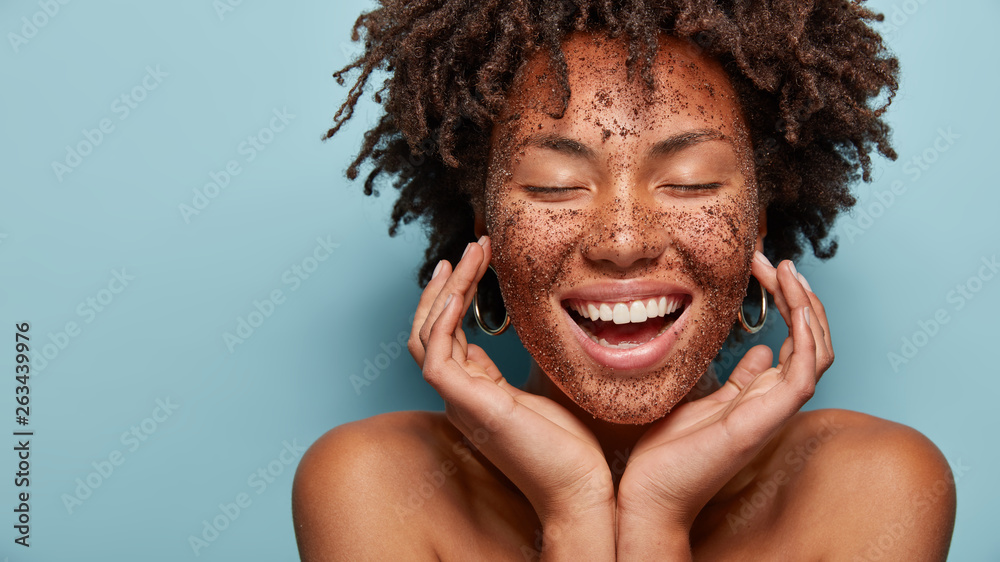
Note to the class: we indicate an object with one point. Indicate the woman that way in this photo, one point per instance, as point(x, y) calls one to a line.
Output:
point(625, 170)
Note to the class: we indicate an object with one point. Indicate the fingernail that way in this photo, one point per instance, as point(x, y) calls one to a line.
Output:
point(447, 301)
point(805, 283)
point(791, 265)
point(437, 269)
point(808, 323)
point(482, 240)
point(466, 250)
point(762, 259)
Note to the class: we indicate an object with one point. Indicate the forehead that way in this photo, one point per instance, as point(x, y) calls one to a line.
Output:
point(691, 91)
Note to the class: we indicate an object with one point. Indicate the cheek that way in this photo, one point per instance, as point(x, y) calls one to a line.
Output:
point(713, 236)
point(531, 248)
point(715, 245)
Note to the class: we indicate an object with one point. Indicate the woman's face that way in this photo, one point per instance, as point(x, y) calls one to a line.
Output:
point(622, 232)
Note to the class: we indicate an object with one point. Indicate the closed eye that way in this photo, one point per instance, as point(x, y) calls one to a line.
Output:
point(537, 189)
point(550, 194)
point(694, 187)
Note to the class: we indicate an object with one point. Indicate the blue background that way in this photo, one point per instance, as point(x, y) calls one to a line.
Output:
point(251, 406)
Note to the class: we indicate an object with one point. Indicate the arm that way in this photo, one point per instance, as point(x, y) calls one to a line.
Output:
point(641, 538)
point(578, 535)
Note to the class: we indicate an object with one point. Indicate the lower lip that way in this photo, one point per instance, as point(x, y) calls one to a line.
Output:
point(636, 358)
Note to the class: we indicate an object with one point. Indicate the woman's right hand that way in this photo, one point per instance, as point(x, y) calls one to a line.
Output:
point(544, 449)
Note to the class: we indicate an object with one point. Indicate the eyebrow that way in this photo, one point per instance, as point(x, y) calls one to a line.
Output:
point(680, 141)
point(665, 147)
point(559, 143)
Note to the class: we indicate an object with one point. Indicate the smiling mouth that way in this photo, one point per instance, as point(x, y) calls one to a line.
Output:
point(627, 324)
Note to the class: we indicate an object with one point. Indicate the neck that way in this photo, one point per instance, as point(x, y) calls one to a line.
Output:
point(617, 440)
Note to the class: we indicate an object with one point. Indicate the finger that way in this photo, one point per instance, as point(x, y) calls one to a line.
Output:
point(477, 354)
point(796, 289)
point(795, 295)
point(427, 298)
point(791, 286)
point(487, 247)
point(821, 327)
point(462, 281)
point(470, 293)
point(441, 367)
point(786, 350)
point(767, 275)
point(799, 374)
point(756, 360)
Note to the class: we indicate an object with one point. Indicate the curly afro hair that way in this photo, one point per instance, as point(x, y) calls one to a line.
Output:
point(812, 76)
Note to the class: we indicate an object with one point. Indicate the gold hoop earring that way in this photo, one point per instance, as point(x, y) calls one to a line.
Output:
point(763, 313)
point(479, 318)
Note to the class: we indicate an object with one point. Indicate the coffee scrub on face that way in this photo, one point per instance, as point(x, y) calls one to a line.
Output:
point(613, 221)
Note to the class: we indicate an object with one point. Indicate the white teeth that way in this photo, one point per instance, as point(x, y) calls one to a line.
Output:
point(637, 312)
point(623, 345)
point(629, 312)
point(593, 312)
point(606, 313)
point(672, 306)
point(621, 314)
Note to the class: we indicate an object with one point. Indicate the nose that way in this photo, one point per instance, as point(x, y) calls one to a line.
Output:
point(625, 233)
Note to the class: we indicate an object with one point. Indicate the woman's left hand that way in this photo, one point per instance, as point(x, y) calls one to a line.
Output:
point(685, 458)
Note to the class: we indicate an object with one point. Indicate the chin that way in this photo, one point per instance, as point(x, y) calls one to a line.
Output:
point(633, 401)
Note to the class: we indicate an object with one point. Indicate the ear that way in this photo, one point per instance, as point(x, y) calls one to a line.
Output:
point(762, 232)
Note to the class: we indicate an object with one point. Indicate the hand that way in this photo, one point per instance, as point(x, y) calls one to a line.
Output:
point(685, 458)
point(545, 451)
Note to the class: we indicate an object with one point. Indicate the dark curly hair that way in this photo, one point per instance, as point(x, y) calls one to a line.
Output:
point(812, 77)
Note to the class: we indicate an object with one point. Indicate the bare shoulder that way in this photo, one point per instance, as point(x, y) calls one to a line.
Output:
point(862, 487)
point(347, 489)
